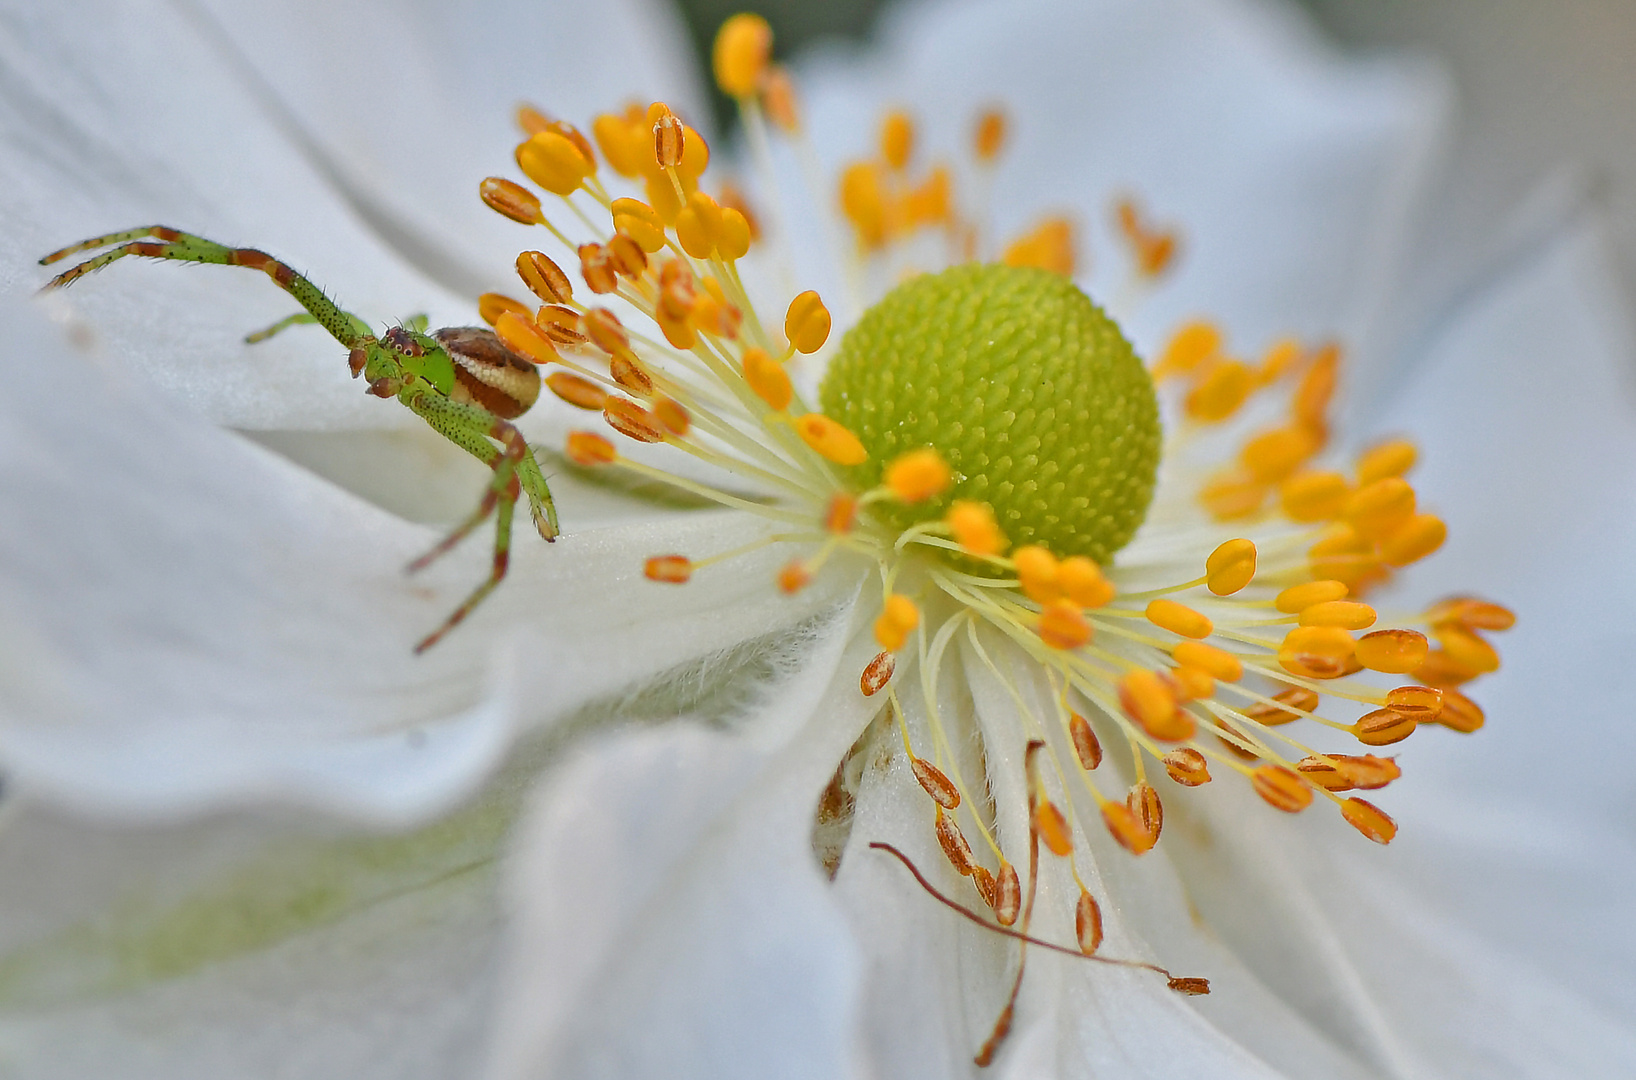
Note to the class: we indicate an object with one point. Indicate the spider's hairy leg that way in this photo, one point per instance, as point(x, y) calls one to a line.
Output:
point(472, 429)
point(162, 242)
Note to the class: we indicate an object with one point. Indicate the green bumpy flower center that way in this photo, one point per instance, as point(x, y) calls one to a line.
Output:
point(1026, 388)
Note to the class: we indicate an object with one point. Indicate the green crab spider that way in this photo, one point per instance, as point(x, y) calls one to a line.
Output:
point(461, 380)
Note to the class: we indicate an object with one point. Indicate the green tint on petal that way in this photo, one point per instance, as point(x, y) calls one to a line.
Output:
point(1029, 391)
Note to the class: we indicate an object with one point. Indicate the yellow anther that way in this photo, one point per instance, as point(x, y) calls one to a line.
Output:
point(897, 139)
point(637, 220)
point(519, 334)
point(490, 306)
point(734, 235)
point(678, 331)
point(841, 513)
point(807, 322)
point(1275, 454)
point(606, 331)
point(864, 203)
point(779, 97)
point(739, 58)
point(794, 577)
point(989, 137)
point(1149, 700)
point(1413, 540)
point(512, 200)
point(1153, 249)
point(698, 226)
point(1279, 358)
point(1179, 619)
point(1233, 496)
point(1395, 652)
point(1125, 828)
point(1191, 683)
point(1037, 573)
point(1369, 819)
point(1218, 395)
point(1050, 246)
point(1376, 510)
point(1383, 727)
point(623, 144)
point(1471, 614)
point(1386, 460)
point(1219, 663)
point(974, 528)
point(918, 475)
point(768, 379)
point(1297, 598)
point(670, 569)
point(673, 415)
point(1083, 582)
point(576, 391)
point(1063, 625)
point(898, 618)
point(929, 202)
point(1053, 828)
point(731, 198)
point(1230, 567)
point(554, 162)
point(562, 325)
point(1317, 652)
point(1281, 788)
point(1314, 495)
point(1460, 713)
point(586, 448)
point(695, 158)
point(544, 278)
point(1191, 345)
point(1467, 649)
point(627, 256)
point(830, 440)
point(1311, 403)
point(1187, 767)
point(662, 196)
point(1346, 614)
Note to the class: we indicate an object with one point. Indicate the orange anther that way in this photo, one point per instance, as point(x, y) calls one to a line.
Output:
point(1050, 245)
point(1346, 614)
point(778, 95)
point(522, 337)
point(606, 331)
point(678, 331)
point(1343, 772)
point(1230, 567)
point(631, 420)
point(1126, 828)
point(1416, 538)
point(1383, 727)
point(673, 416)
point(1179, 619)
point(807, 322)
point(841, 513)
point(512, 200)
point(1148, 700)
point(918, 475)
point(1187, 767)
point(877, 674)
point(544, 278)
point(1219, 393)
point(554, 162)
point(1082, 581)
point(1423, 704)
point(669, 137)
point(672, 569)
point(899, 616)
point(1275, 454)
point(953, 841)
point(1007, 895)
point(1281, 788)
point(864, 203)
point(632, 377)
point(989, 136)
point(597, 269)
point(1440, 670)
point(1088, 923)
point(1063, 626)
point(794, 577)
point(1053, 828)
point(1376, 510)
point(587, 449)
point(1385, 460)
point(627, 256)
point(1280, 356)
point(767, 379)
point(1219, 663)
point(1190, 683)
point(1314, 495)
point(1470, 613)
point(829, 440)
point(1459, 713)
point(1322, 771)
point(739, 57)
point(622, 143)
point(1311, 404)
point(984, 882)
point(640, 222)
point(1369, 819)
point(1086, 746)
point(1188, 985)
point(1467, 649)
point(1149, 813)
point(1317, 652)
point(897, 139)
point(937, 785)
point(974, 528)
point(1394, 652)
point(1152, 249)
point(491, 305)
point(576, 391)
point(1233, 495)
point(1292, 704)
point(1297, 598)
point(1191, 345)
point(532, 120)
point(1037, 573)
point(562, 325)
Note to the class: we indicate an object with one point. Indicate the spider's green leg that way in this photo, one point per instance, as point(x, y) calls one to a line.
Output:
point(300, 318)
point(418, 322)
point(471, 428)
point(343, 326)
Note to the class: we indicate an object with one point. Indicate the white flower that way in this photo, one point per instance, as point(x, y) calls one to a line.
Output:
point(199, 628)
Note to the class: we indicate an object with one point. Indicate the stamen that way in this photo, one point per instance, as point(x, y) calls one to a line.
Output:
point(830, 440)
point(672, 569)
point(1383, 727)
point(807, 323)
point(739, 58)
point(1086, 746)
point(512, 200)
point(1187, 767)
point(1297, 598)
point(490, 306)
point(554, 162)
point(1179, 619)
point(1393, 652)
point(899, 616)
point(1230, 567)
point(877, 674)
point(1386, 460)
point(918, 475)
point(544, 278)
point(1369, 819)
point(938, 786)
point(1088, 923)
point(974, 528)
point(1281, 788)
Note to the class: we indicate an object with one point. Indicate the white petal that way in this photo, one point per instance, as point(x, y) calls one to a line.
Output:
point(673, 921)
